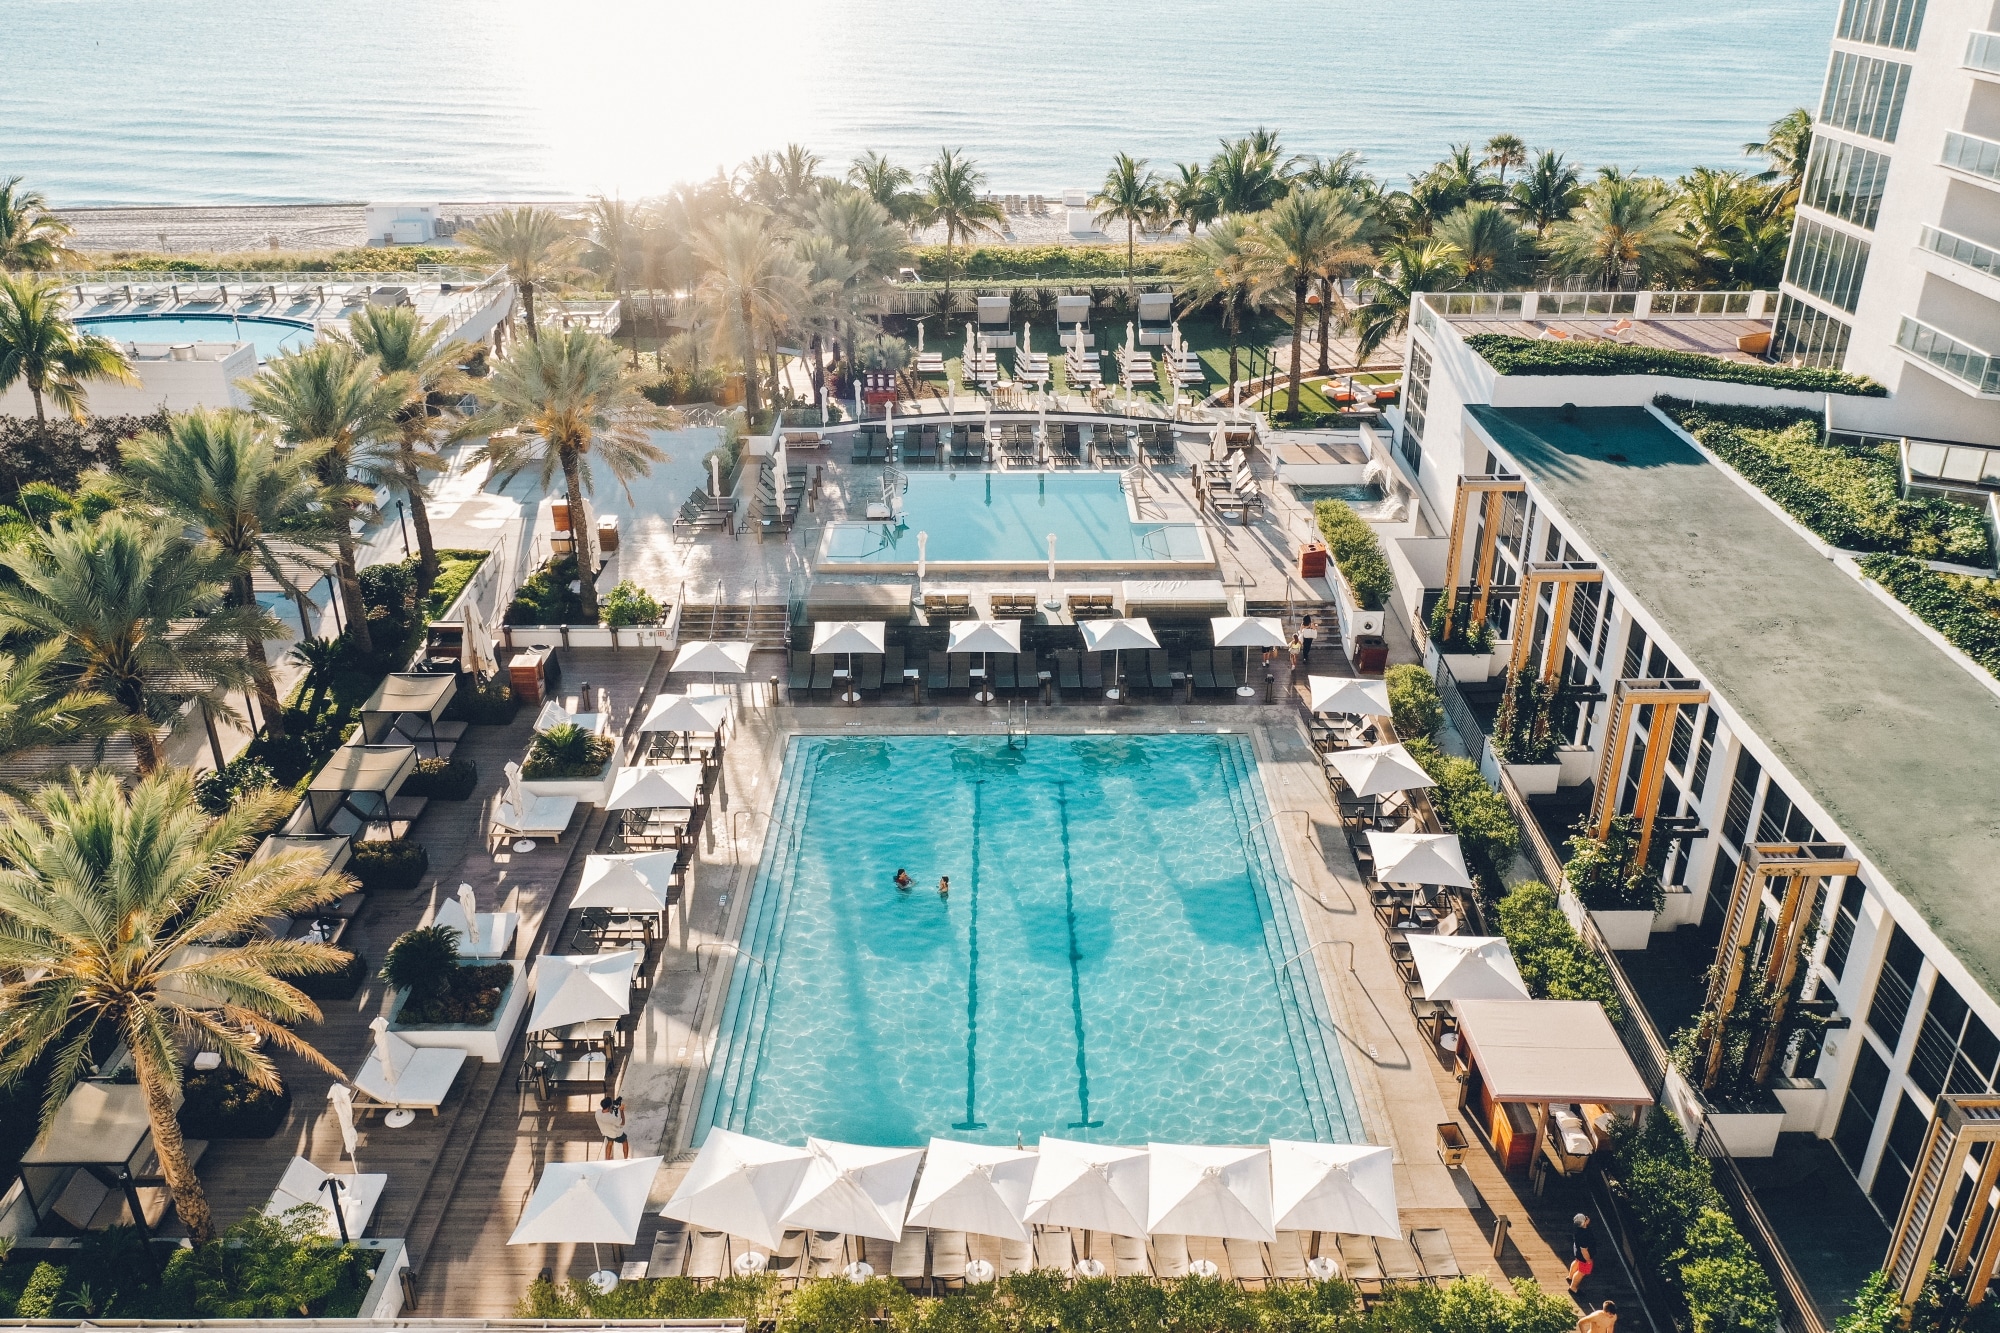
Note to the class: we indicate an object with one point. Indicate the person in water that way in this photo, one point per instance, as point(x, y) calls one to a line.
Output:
point(903, 880)
point(944, 886)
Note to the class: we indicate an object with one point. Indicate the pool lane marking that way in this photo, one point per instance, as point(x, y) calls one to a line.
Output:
point(1075, 977)
point(972, 979)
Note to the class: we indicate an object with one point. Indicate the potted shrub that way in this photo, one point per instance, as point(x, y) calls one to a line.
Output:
point(221, 1103)
point(444, 1000)
point(1359, 572)
point(1622, 896)
point(632, 614)
point(1414, 705)
point(442, 779)
point(389, 866)
point(1524, 735)
point(569, 761)
point(1465, 648)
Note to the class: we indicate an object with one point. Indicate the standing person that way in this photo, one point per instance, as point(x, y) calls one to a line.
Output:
point(944, 886)
point(1295, 646)
point(611, 1124)
point(1581, 1242)
point(1604, 1319)
point(1307, 633)
point(903, 880)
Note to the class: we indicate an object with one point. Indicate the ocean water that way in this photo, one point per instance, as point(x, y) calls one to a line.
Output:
point(256, 101)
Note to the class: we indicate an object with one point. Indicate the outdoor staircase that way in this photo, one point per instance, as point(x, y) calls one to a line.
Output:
point(1290, 615)
point(762, 624)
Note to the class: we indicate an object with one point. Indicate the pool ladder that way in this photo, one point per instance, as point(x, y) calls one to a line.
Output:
point(1017, 727)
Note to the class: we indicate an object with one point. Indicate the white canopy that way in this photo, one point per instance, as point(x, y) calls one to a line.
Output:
point(1096, 1186)
point(656, 787)
point(686, 712)
point(1198, 1191)
point(585, 1202)
point(1346, 694)
point(1377, 770)
point(1466, 967)
point(728, 657)
point(974, 1187)
point(1105, 636)
point(985, 636)
point(1349, 1187)
point(1419, 858)
point(630, 883)
point(856, 1189)
point(1549, 1051)
point(576, 988)
point(1248, 632)
point(740, 1185)
point(848, 636)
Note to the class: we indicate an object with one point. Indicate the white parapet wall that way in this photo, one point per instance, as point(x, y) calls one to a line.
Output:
point(175, 377)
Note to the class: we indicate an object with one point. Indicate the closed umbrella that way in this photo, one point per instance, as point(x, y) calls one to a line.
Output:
point(1209, 1191)
point(1377, 770)
point(850, 637)
point(1115, 636)
point(985, 637)
point(1343, 1187)
point(1096, 1186)
point(656, 787)
point(1419, 858)
point(598, 1202)
point(1346, 694)
point(1466, 967)
point(581, 988)
point(740, 1185)
point(636, 882)
point(852, 1188)
point(974, 1187)
point(1247, 632)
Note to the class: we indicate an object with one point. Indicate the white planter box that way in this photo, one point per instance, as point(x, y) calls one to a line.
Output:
point(1578, 763)
point(1683, 909)
point(587, 791)
point(1472, 668)
point(1624, 930)
point(1535, 779)
point(490, 1042)
point(1805, 1105)
point(1353, 620)
point(1747, 1133)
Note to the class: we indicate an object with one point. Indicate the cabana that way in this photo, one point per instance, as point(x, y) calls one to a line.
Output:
point(355, 793)
point(406, 707)
point(1073, 323)
point(96, 1166)
point(995, 331)
point(1156, 319)
point(1538, 1076)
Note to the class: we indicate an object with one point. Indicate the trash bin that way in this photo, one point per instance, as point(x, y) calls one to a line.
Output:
point(1312, 561)
point(1371, 654)
point(1451, 1143)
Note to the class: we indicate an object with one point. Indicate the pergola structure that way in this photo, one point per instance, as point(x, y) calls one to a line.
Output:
point(1563, 576)
point(1664, 697)
point(1948, 1217)
point(1495, 490)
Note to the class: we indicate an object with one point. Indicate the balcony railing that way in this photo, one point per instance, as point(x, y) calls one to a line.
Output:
point(1971, 154)
point(1982, 52)
point(1959, 250)
point(1977, 369)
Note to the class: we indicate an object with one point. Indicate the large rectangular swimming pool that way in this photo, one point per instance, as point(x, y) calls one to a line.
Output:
point(1120, 957)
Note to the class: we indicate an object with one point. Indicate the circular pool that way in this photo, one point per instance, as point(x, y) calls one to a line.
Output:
point(268, 335)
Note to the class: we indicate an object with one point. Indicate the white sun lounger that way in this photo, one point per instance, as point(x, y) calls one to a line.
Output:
point(707, 1256)
point(302, 1184)
point(906, 1262)
point(421, 1084)
point(1170, 1256)
point(1016, 1256)
point(546, 817)
point(1358, 1263)
point(1055, 1251)
point(1128, 1254)
point(948, 1256)
point(1246, 1261)
point(1288, 1257)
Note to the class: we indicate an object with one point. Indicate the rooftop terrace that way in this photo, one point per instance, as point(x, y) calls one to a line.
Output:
point(1711, 323)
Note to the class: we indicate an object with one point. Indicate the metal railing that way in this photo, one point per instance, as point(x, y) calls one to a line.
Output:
point(1974, 367)
point(1970, 153)
point(1462, 720)
point(1982, 52)
point(1960, 250)
point(426, 273)
point(1534, 843)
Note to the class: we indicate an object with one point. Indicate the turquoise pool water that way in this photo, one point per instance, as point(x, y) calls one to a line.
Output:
point(269, 336)
point(1118, 959)
point(1006, 517)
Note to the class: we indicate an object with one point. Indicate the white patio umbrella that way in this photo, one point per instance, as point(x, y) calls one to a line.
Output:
point(1347, 1187)
point(1377, 770)
point(715, 476)
point(635, 882)
point(1247, 632)
point(1466, 967)
point(686, 712)
point(1419, 858)
point(342, 1099)
point(974, 1187)
point(656, 787)
point(718, 657)
point(478, 643)
point(1096, 1186)
point(740, 1185)
point(1115, 636)
point(850, 637)
point(852, 1188)
point(576, 988)
point(985, 637)
point(1205, 1191)
point(1346, 694)
point(598, 1202)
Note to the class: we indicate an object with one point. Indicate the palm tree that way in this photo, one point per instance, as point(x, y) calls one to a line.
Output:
point(615, 251)
point(37, 710)
point(1504, 151)
point(951, 199)
point(1218, 265)
point(30, 235)
point(572, 401)
point(1623, 223)
point(1548, 193)
point(753, 282)
point(537, 246)
point(787, 183)
point(1786, 146)
point(830, 275)
point(41, 347)
point(863, 227)
point(1491, 250)
point(1408, 269)
point(1131, 195)
point(1247, 175)
point(103, 896)
point(1190, 203)
point(140, 612)
point(331, 395)
point(426, 362)
point(886, 183)
point(1304, 237)
point(222, 473)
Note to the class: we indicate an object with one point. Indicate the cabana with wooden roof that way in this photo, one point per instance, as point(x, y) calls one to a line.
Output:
point(406, 707)
point(355, 794)
point(1524, 1064)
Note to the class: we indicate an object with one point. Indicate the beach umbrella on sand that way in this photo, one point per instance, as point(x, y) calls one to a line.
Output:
point(1342, 1187)
point(740, 1185)
point(656, 787)
point(579, 988)
point(1096, 1186)
point(850, 637)
point(974, 1187)
point(855, 1189)
point(1419, 858)
point(1247, 632)
point(1377, 770)
point(1115, 636)
point(1466, 967)
point(984, 637)
point(598, 1202)
point(1203, 1191)
point(1346, 694)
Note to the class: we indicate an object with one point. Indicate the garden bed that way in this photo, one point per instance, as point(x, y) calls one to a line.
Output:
point(390, 866)
point(1510, 355)
point(1965, 610)
point(471, 998)
point(221, 1103)
point(442, 779)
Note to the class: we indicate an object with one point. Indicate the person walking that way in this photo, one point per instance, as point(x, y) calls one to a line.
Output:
point(1604, 1319)
point(1307, 633)
point(1581, 1242)
point(611, 1124)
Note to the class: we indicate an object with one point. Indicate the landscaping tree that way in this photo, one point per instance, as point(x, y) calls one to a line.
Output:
point(41, 348)
point(538, 246)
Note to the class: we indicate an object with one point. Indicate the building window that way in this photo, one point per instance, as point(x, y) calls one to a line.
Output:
point(1683, 739)
point(1882, 22)
point(1899, 1155)
point(1782, 821)
point(1862, 1104)
point(1807, 336)
point(1699, 778)
point(1894, 987)
point(1827, 263)
point(1742, 799)
point(1864, 95)
point(1419, 397)
point(1635, 651)
point(1604, 628)
point(1955, 1050)
point(1840, 939)
point(1846, 180)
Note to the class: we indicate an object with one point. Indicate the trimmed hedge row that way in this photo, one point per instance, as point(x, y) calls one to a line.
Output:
point(1414, 705)
point(1038, 261)
point(1965, 610)
point(1357, 551)
point(361, 259)
point(1553, 958)
point(1538, 356)
point(1467, 806)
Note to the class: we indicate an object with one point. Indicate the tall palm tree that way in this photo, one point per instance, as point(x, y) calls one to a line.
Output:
point(331, 395)
point(951, 200)
point(615, 251)
point(1408, 269)
point(103, 893)
point(38, 710)
point(1491, 250)
point(886, 183)
point(1548, 193)
point(30, 235)
point(222, 474)
point(1190, 202)
point(573, 403)
point(753, 283)
point(426, 361)
point(1131, 195)
point(1301, 239)
point(787, 183)
point(42, 348)
point(1247, 175)
point(830, 275)
point(537, 245)
point(859, 224)
point(1623, 223)
point(1504, 151)
point(1786, 146)
point(141, 613)
point(1218, 266)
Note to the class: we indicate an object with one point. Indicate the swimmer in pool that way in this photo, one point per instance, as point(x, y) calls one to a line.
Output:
point(944, 886)
point(903, 880)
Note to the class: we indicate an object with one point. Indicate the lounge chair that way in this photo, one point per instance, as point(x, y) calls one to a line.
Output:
point(1158, 673)
point(419, 1079)
point(827, 1253)
point(788, 1262)
point(868, 672)
point(545, 817)
point(1399, 1259)
point(670, 1251)
point(907, 1260)
point(1246, 1262)
point(1434, 1251)
point(1288, 1258)
point(1002, 671)
point(961, 671)
point(1016, 1257)
point(1092, 670)
point(1068, 669)
point(1128, 1256)
point(1225, 669)
point(892, 665)
point(1201, 666)
point(708, 1256)
point(822, 674)
point(938, 676)
point(948, 1256)
point(876, 1252)
point(1170, 1256)
point(1055, 1251)
point(1358, 1263)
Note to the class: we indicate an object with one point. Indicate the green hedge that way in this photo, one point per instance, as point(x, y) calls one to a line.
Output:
point(442, 779)
point(389, 866)
point(400, 259)
point(1965, 610)
point(1474, 811)
point(1357, 551)
point(1414, 704)
point(1101, 262)
point(1851, 498)
point(1554, 960)
point(1538, 356)
point(335, 986)
point(223, 1104)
